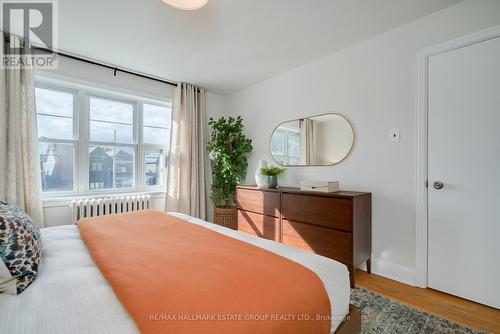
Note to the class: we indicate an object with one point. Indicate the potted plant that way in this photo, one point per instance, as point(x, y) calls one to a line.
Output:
point(228, 149)
point(271, 174)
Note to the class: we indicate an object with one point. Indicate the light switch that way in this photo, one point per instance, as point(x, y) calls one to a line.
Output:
point(394, 135)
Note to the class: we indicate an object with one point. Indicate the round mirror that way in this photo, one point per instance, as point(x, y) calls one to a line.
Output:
point(321, 140)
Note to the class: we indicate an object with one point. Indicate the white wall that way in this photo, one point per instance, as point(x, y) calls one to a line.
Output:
point(374, 85)
point(57, 211)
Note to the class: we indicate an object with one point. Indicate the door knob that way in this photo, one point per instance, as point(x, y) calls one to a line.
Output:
point(438, 185)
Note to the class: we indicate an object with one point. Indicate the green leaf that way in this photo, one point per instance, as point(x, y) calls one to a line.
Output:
point(272, 171)
point(228, 149)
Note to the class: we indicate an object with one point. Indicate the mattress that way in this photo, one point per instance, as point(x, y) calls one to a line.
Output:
point(70, 294)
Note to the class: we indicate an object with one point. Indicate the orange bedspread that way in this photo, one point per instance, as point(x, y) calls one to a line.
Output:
point(174, 276)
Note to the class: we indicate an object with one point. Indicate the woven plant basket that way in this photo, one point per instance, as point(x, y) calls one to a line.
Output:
point(225, 217)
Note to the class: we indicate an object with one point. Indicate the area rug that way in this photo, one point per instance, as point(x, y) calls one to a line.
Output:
point(383, 315)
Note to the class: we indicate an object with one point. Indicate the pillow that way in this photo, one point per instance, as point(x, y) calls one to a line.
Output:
point(20, 249)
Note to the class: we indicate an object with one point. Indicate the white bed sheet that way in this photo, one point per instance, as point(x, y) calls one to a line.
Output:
point(70, 294)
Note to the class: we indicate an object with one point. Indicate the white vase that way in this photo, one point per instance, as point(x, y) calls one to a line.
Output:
point(259, 178)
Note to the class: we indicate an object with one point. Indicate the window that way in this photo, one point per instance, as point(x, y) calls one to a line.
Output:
point(156, 141)
point(56, 132)
point(112, 167)
point(285, 145)
point(153, 162)
point(156, 127)
point(111, 121)
point(57, 166)
point(100, 142)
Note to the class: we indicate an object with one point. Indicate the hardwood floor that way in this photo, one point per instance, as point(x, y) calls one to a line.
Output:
point(431, 301)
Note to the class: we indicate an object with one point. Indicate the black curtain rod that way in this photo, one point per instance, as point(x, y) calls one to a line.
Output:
point(97, 63)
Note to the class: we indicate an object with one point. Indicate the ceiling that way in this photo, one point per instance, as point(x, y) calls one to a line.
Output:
point(229, 44)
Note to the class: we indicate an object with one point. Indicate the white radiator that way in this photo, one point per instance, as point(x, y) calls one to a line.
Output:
point(93, 207)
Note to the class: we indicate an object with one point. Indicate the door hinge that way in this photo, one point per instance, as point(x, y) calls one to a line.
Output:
point(427, 184)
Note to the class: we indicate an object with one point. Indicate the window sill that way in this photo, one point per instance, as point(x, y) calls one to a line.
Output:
point(59, 201)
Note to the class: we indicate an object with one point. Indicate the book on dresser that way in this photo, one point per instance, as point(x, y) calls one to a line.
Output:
point(336, 225)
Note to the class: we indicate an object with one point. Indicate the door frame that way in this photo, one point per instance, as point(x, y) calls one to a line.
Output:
point(421, 212)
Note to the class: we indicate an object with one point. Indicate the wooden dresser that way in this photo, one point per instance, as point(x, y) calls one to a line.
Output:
point(336, 225)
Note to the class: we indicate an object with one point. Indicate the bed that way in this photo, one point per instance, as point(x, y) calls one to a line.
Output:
point(71, 295)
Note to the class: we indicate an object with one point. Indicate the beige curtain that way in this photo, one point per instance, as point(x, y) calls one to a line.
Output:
point(189, 168)
point(20, 182)
point(307, 147)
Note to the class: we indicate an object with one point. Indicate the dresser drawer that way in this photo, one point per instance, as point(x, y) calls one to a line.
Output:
point(327, 242)
point(258, 201)
point(318, 210)
point(259, 225)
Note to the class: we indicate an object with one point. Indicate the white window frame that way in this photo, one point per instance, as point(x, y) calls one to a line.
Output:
point(146, 148)
point(87, 142)
point(74, 141)
point(81, 133)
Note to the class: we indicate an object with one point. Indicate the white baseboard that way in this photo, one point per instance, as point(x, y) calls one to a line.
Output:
point(392, 270)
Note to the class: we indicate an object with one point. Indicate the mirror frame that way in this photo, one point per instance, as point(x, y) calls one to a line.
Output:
point(298, 119)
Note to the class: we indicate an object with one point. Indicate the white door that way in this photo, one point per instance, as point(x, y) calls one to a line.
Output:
point(464, 154)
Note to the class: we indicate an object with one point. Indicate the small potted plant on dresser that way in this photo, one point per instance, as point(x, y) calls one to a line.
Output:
point(271, 175)
point(228, 149)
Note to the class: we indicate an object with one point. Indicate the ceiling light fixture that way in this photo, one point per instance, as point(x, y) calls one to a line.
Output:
point(186, 4)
